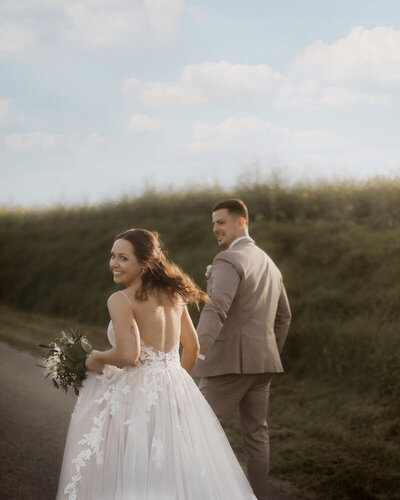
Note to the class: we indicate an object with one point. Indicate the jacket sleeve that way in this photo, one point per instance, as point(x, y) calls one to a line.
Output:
point(282, 319)
point(225, 280)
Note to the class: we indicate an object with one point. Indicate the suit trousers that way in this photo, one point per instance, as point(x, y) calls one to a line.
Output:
point(249, 393)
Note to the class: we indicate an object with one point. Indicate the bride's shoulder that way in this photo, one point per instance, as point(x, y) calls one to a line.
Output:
point(119, 299)
point(114, 297)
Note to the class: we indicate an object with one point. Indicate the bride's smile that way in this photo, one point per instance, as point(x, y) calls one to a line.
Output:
point(124, 265)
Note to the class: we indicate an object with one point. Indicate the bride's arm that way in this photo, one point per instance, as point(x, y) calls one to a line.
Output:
point(189, 342)
point(127, 340)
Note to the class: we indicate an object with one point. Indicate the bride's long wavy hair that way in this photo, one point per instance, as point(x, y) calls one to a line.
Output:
point(160, 272)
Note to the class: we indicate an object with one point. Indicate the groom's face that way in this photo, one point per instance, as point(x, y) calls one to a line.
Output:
point(226, 227)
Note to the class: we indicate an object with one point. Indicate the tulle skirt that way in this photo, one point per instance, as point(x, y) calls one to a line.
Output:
point(147, 433)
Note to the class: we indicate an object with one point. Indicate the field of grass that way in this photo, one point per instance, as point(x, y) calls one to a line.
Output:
point(334, 419)
point(24, 330)
point(327, 440)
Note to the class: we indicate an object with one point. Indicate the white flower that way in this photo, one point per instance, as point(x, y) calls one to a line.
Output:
point(208, 271)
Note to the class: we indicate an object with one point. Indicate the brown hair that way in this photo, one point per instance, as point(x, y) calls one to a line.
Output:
point(160, 272)
point(234, 206)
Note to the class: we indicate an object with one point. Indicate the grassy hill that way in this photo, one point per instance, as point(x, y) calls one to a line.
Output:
point(338, 246)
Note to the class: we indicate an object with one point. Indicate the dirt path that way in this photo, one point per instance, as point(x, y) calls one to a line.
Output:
point(34, 419)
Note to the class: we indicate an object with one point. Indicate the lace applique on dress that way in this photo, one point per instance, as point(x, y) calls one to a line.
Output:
point(158, 455)
point(92, 440)
point(152, 357)
point(112, 397)
point(154, 363)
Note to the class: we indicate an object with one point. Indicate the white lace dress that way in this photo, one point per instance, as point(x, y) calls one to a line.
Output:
point(145, 432)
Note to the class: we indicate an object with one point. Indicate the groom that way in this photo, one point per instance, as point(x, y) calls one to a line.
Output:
point(241, 332)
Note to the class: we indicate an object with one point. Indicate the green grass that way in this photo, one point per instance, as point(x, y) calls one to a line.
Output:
point(337, 441)
point(24, 330)
point(328, 440)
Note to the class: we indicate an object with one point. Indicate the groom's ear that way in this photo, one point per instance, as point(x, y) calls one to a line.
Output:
point(242, 222)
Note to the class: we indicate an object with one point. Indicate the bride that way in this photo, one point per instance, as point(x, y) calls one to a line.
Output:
point(141, 429)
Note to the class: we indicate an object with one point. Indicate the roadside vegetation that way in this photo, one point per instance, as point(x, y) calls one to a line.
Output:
point(334, 415)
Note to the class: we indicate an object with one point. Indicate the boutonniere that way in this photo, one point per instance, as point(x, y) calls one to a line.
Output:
point(208, 271)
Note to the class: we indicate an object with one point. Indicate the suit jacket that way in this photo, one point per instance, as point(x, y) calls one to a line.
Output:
point(244, 326)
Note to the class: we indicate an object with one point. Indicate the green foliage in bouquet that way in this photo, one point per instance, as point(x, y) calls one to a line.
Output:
point(65, 359)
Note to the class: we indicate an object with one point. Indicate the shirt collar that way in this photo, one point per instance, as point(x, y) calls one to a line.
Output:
point(237, 240)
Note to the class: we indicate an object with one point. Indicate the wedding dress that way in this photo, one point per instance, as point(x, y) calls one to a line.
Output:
point(145, 432)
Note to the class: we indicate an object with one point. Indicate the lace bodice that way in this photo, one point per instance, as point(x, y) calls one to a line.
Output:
point(149, 355)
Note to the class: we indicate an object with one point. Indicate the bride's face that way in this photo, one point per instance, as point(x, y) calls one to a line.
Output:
point(124, 265)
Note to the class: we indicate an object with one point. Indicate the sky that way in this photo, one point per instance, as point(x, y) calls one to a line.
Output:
point(101, 99)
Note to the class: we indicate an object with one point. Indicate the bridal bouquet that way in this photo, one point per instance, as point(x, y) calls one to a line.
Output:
point(65, 358)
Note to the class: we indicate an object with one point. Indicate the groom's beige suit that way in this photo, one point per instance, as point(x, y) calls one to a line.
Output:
point(242, 331)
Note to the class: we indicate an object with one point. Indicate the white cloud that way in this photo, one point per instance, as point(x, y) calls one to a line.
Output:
point(14, 38)
point(4, 109)
point(246, 141)
point(205, 82)
point(236, 139)
point(163, 94)
point(143, 124)
point(368, 55)
point(47, 142)
point(164, 16)
point(93, 141)
point(32, 140)
point(315, 140)
point(233, 130)
point(310, 95)
point(253, 136)
point(102, 23)
point(223, 79)
point(90, 24)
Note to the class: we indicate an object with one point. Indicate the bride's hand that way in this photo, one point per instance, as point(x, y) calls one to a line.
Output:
point(93, 364)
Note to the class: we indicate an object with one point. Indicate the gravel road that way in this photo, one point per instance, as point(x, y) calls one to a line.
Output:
point(34, 419)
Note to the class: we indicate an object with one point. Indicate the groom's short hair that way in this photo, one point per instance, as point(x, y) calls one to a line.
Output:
point(234, 206)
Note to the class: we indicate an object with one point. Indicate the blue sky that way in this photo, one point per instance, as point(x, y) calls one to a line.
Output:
point(101, 98)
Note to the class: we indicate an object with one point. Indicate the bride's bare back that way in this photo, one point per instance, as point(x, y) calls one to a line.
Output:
point(158, 319)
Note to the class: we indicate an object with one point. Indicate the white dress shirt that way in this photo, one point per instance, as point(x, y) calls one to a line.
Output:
point(237, 239)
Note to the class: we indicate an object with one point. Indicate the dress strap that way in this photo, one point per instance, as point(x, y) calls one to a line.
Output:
point(127, 298)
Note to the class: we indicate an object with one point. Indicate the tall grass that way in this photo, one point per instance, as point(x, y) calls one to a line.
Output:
point(336, 244)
